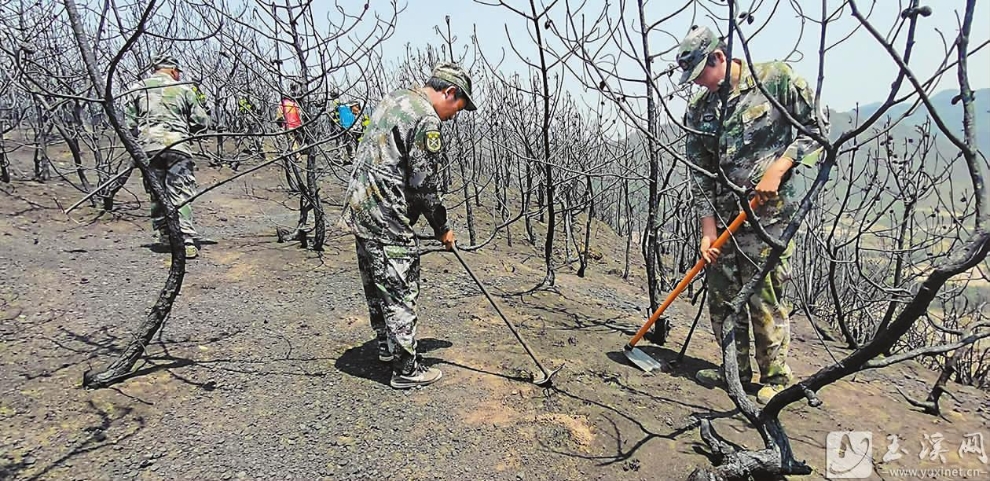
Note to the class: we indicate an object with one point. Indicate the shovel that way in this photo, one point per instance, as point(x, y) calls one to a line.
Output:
point(547, 375)
point(643, 360)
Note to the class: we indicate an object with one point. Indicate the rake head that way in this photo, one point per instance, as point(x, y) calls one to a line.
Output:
point(547, 379)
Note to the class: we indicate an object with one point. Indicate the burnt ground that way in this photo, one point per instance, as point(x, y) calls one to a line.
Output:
point(267, 369)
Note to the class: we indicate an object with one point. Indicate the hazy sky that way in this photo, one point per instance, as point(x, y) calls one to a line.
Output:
point(858, 70)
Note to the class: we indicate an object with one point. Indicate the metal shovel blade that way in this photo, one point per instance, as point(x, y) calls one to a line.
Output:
point(642, 360)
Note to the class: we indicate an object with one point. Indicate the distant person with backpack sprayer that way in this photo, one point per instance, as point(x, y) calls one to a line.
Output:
point(289, 114)
point(347, 116)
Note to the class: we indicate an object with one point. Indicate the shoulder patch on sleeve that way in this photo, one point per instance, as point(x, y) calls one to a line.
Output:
point(433, 142)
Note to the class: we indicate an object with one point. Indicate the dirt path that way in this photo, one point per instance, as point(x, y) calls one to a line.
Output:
point(266, 369)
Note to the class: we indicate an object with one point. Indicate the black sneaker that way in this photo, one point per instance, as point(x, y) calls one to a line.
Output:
point(384, 352)
point(420, 376)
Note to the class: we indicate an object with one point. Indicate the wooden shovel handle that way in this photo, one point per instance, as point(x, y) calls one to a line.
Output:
point(698, 266)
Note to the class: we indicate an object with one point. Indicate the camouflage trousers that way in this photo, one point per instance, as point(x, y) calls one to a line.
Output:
point(390, 275)
point(174, 170)
point(739, 262)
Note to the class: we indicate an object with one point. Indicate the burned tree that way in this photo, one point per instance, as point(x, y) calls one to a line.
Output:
point(916, 254)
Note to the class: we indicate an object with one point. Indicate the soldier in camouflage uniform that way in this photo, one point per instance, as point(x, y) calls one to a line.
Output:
point(162, 113)
point(395, 182)
point(757, 149)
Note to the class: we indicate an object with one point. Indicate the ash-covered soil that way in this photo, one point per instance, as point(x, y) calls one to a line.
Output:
point(266, 368)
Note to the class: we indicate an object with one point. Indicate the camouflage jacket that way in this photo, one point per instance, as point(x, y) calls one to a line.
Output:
point(164, 112)
point(395, 177)
point(754, 133)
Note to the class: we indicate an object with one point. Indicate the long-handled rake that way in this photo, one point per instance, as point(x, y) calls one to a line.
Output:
point(636, 355)
point(547, 375)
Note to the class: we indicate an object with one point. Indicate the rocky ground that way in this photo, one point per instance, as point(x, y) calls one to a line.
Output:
point(266, 368)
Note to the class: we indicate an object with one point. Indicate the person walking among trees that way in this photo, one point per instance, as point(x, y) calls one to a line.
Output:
point(394, 182)
point(360, 123)
point(349, 123)
point(247, 122)
point(162, 113)
point(758, 149)
point(289, 114)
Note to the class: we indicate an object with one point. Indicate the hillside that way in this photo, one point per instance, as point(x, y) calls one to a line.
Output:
point(266, 368)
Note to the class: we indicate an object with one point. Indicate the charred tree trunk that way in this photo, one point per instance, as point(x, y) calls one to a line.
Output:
point(840, 316)
point(220, 138)
point(548, 181)
point(121, 368)
point(931, 404)
point(311, 196)
point(527, 202)
point(41, 169)
point(313, 189)
point(587, 226)
point(630, 227)
point(899, 254)
point(541, 202)
point(110, 192)
point(501, 188)
point(939, 387)
point(4, 161)
point(475, 162)
point(549, 278)
point(568, 215)
point(290, 177)
point(650, 239)
point(472, 237)
point(73, 143)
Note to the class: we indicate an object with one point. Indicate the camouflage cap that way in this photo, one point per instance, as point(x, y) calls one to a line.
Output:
point(693, 52)
point(164, 61)
point(453, 73)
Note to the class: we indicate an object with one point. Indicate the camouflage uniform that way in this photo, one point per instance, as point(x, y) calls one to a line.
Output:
point(163, 112)
point(754, 135)
point(394, 181)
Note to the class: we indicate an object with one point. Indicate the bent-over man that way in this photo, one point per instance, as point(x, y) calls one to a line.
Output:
point(758, 149)
point(394, 183)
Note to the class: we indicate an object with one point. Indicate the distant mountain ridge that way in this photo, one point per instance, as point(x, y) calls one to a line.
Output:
point(942, 101)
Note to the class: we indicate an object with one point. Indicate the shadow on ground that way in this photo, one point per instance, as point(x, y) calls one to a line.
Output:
point(687, 368)
point(89, 439)
point(362, 361)
point(684, 369)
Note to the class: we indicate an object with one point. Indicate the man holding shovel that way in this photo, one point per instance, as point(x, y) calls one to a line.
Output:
point(757, 148)
point(394, 182)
